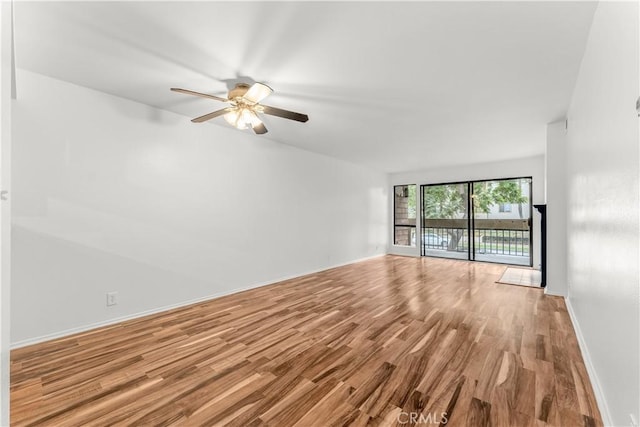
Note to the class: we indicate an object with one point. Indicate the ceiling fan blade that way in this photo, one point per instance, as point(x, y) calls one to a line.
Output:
point(211, 115)
point(203, 95)
point(259, 129)
point(257, 92)
point(273, 111)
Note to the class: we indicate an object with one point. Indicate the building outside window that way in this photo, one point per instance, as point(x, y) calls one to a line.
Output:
point(404, 215)
point(504, 207)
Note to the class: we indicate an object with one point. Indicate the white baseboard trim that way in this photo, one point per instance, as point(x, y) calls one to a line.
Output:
point(120, 319)
point(548, 291)
point(412, 251)
point(595, 383)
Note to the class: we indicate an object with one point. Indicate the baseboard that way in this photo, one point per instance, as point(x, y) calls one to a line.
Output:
point(412, 251)
point(595, 383)
point(548, 291)
point(116, 320)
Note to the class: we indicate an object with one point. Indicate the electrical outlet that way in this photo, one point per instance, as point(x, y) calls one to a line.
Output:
point(112, 298)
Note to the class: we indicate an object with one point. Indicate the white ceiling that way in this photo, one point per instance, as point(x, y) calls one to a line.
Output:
point(395, 86)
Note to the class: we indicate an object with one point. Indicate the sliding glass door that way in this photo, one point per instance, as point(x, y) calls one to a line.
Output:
point(502, 221)
point(445, 220)
point(478, 220)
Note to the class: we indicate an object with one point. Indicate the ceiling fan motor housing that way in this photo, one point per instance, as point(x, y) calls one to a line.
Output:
point(238, 91)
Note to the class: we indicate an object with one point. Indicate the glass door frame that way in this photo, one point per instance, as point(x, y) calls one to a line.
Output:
point(422, 218)
point(471, 217)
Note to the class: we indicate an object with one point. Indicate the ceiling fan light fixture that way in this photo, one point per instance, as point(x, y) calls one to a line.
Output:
point(245, 106)
point(254, 120)
point(242, 118)
point(231, 117)
point(234, 118)
point(246, 116)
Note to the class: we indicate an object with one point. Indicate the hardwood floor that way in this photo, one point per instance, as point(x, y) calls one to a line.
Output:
point(389, 341)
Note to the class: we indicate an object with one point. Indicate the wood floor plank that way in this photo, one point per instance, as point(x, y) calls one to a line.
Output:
point(479, 413)
point(368, 344)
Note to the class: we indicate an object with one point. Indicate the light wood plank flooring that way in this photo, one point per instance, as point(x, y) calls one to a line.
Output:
point(387, 341)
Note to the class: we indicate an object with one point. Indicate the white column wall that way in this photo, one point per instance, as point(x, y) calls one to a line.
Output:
point(556, 199)
point(603, 210)
point(5, 212)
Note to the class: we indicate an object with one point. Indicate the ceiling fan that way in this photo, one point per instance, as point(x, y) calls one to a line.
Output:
point(245, 106)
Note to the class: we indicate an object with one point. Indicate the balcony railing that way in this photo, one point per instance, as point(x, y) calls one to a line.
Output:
point(502, 242)
point(489, 241)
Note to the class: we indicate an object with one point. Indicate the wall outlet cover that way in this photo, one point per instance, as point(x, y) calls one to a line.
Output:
point(112, 298)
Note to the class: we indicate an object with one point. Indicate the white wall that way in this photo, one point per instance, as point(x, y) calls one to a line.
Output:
point(111, 195)
point(556, 199)
point(529, 166)
point(5, 213)
point(602, 190)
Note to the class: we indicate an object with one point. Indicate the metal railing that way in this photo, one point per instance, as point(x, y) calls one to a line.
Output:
point(448, 239)
point(486, 241)
point(502, 242)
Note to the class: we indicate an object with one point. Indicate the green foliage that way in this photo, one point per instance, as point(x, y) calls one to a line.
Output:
point(508, 192)
point(411, 204)
point(482, 197)
point(444, 201)
point(449, 201)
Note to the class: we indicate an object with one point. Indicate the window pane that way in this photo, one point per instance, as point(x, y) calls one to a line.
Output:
point(445, 220)
point(405, 236)
point(502, 221)
point(404, 214)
